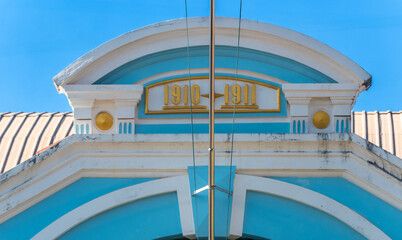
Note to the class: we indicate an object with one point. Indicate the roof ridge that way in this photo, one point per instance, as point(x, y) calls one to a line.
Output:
point(24, 113)
point(376, 111)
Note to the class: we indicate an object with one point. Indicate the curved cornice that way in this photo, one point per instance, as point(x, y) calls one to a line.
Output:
point(254, 35)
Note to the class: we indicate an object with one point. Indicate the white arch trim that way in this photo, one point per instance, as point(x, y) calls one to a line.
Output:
point(171, 34)
point(244, 183)
point(122, 196)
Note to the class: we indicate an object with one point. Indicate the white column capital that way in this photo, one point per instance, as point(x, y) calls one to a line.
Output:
point(82, 108)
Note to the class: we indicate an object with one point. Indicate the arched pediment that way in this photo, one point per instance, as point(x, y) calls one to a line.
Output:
point(283, 70)
point(281, 78)
point(279, 47)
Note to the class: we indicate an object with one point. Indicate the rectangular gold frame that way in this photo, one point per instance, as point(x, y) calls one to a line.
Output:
point(197, 110)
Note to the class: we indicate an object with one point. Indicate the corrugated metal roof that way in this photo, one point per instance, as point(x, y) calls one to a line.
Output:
point(22, 135)
point(384, 129)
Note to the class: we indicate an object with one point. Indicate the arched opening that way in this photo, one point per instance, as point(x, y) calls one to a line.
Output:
point(148, 218)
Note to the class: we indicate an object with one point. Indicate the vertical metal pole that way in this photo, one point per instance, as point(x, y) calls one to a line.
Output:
point(211, 165)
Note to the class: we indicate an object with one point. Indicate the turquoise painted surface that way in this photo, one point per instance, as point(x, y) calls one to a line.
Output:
point(383, 215)
point(219, 128)
point(282, 113)
point(149, 218)
point(250, 60)
point(275, 217)
point(223, 203)
point(26, 224)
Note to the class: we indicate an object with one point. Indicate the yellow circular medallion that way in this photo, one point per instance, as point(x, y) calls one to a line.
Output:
point(104, 121)
point(321, 120)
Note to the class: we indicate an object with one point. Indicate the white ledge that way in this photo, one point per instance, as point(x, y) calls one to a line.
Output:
point(386, 157)
point(104, 92)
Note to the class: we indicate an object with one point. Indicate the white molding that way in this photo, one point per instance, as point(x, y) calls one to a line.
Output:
point(305, 196)
point(104, 92)
point(320, 89)
point(122, 196)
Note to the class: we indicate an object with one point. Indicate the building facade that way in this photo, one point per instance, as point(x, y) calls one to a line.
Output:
point(128, 162)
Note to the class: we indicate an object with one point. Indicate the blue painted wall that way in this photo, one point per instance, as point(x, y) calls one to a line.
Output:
point(275, 217)
point(249, 59)
point(149, 218)
point(383, 215)
point(26, 224)
point(223, 202)
point(266, 215)
point(219, 128)
point(271, 209)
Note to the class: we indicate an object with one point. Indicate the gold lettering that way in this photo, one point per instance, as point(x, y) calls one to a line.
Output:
point(226, 94)
point(185, 94)
point(253, 97)
point(195, 94)
point(246, 94)
point(166, 94)
point(176, 93)
point(236, 91)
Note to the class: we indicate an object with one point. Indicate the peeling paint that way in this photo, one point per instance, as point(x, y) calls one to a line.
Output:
point(383, 169)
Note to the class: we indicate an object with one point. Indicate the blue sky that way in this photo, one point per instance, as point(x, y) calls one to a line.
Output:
point(40, 38)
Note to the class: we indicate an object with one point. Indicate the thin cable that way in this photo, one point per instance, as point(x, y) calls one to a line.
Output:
point(233, 118)
point(191, 119)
